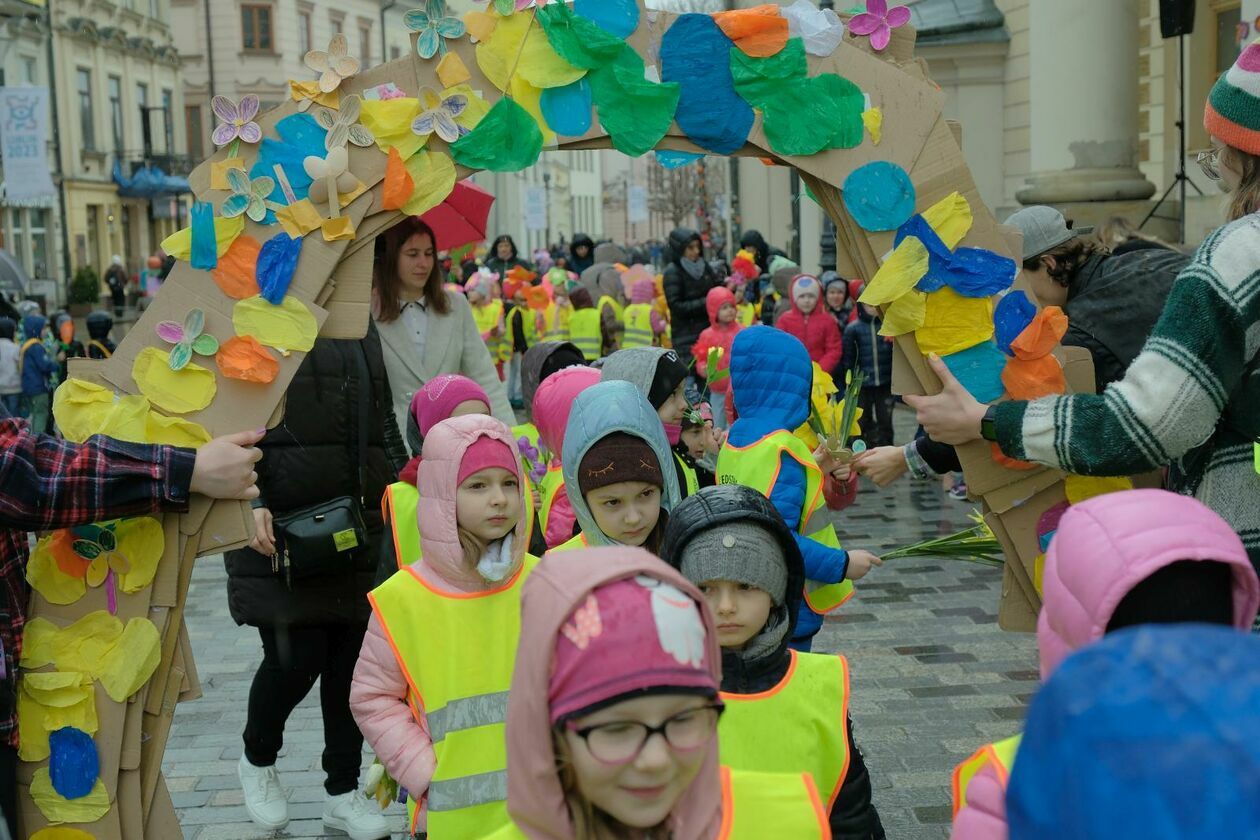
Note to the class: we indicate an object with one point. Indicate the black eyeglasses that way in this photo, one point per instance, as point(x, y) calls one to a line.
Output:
point(1210, 162)
point(620, 742)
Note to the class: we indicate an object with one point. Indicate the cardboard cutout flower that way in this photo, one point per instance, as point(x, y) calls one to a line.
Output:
point(335, 65)
point(96, 547)
point(238, 120)
point(344, 125)
point(188, 338)
point(330, 174)
point(439, 116)
point(249, 195)
point(878, 22)
point(434, 26)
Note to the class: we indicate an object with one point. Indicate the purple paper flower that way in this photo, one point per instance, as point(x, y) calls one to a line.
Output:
point(238, 120)
point(537, 469)
point(878, 22)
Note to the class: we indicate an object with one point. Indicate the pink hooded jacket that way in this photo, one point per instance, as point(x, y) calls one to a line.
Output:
point(716, 335)
point(1104, 547)
point(552, 402)
point(554, 589)
point(378, 691)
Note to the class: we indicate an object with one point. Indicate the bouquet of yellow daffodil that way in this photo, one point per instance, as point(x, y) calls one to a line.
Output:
point(834, 423)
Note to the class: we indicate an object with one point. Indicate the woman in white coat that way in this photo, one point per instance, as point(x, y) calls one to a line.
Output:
point(426, 330)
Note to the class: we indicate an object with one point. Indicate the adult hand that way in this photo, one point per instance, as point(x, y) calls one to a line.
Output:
point(264, 541)
point(829, 465)
point(953, 416)
point(225, 467)
point(860, 562)
point(882, 465)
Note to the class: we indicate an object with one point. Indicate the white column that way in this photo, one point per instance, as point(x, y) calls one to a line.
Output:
point(1083, 79)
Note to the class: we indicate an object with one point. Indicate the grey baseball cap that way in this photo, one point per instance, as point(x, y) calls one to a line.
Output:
point(1044, 229)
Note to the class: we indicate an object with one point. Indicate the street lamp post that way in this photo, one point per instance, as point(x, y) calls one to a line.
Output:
point(827, 239)
point(547, 207)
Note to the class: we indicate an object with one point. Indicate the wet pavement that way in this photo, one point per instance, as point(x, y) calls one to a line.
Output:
point(933, 678)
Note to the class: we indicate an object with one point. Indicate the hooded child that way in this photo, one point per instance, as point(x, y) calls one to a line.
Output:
point(39, 371)
point(540, 361)
point(561, 309)
point(701, 441)
point(613, 714)
point(99, 344)
point(616, 469)
point(836, 298)
point(723, 327)
point(661, 376)
point(586, 330)
point(771, 384)
point(868, 351)
point(443, 634)
point(553, 402)
point(812, 325)
point(732, 544)
point(645, 325)
point(68, 347)
point(581, 253)
point(1115, 561)
point(489, 315)
point(603, 281)
point(10, 370)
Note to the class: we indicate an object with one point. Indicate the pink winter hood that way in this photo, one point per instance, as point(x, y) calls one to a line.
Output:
point(444, 449)
point(715, 299)
point(1107, 545)
point(553, 400)
point(553, 590)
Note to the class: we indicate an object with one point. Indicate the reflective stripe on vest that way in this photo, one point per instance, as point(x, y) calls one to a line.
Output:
point(104, 351)
point(638, 321)
point(584, 332)
point(691, 481)
point(760, 805)
point(757, 466)
point(807, 711)
point(558, 322)
point(399, 505)
point(549, 488)
point(456, 652)
point(1001, 755)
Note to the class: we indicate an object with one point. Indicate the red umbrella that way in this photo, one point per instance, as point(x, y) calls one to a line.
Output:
point(460, 219)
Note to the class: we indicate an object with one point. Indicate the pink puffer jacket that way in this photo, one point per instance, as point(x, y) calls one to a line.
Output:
point(378, 691)
point(1103, 549)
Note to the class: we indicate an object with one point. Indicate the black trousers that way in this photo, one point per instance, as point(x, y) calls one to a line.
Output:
point(293, 658)
point(877, 415)
point(8, 788)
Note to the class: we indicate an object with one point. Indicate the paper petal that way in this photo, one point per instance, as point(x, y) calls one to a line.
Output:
point(954, 323)
point(397, 187)
point(452, 71)
point(1042, 334)
point(617, 17)
point(180, 356)
point(507, 140)
point(47, 578)
point(132, 661)
point(905, 314)
point(760, 31)
point(248, 108)
point(880, 196)
point(568, 109)
point(390, 121)
point(250, 133)
point(243, 358)
point(203, 250)
point(205, 345)
point(238, 180)
point(224, 133)
point(179, 244)
point(1032, 379)
point(225, 109)
point(433, 176)
point(234, 274)
point(189, 390)
point(277, 260)
point(1013, 313)
point(234, 205)
point(289, 326)
point(170, 331)
point(979, 370)
point(73, 765)
point(57, 809)
point(899, 273)
point(1079, 488)
point(695, 54)
point(517, 44)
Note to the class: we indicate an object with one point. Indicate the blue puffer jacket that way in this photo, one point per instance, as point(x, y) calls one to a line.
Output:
point(771, 377)
point(37, 367)
point(600, 411)
point(866, 350)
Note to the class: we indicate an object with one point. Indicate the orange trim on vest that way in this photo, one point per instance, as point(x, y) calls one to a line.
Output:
point(387, 514)
point(844, 718)
point(769, 692)
point(819, 813)
point(467, 596)
point(416, 712)
point(728, 804)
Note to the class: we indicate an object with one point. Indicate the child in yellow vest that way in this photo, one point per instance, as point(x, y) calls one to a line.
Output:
point(732, 544)
point(613, 714)
point(644, 325)
point(428, 689)
point(488, 313)
point(558, 313)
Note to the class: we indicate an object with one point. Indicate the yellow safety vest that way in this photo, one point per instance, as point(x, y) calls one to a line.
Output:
point(457, 652)
point(571, 544)
point(638, 321)
point(745, 314)
point(755, 806)
point(585, 333)
point(558, 322)
point(807, 712)
point(757, 466)
point(1001, 755)
point(691, 481)
point(549, 488)
point(619, 311)
point(398, 506)
point(488, 317)
point(105, 353)
point(529, 325)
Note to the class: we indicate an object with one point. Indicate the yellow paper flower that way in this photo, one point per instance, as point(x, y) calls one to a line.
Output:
point(56, 808)
point(179, 392)
point(287, 327)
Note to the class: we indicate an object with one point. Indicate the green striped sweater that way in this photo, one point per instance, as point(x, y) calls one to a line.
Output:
point(1190, 400)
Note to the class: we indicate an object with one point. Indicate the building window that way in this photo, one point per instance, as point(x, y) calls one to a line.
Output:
point(304, 33)
point(155, 9)
point(365, 44)
point(193, 130)
point(168, 111)
point(142, 106)
point(256, 28)
point(87, 122)
point(395, 53)
point(337, 23)
point(30, 70)
point(116, 113)
point(28, 243)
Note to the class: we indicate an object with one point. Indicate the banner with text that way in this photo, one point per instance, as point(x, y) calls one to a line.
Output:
point(24, 144)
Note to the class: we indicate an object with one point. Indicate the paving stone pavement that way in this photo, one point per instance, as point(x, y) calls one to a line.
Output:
point(933, 678)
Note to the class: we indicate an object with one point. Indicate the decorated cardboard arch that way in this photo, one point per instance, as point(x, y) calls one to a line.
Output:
point(280, 251)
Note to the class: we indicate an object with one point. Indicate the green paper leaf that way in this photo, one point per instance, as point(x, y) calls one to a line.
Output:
point(106, 540)
point(636, 113)
point(506, 140)
point(86, 549)
point(181, 355)
point(577, 40)
point(761, 80)
point(206, 345)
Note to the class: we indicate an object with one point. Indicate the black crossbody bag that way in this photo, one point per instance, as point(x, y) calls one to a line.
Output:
point(321, 539)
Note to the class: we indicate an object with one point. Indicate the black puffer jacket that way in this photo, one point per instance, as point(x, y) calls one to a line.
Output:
point(311, 458)
point(853, 816)
point(685, 294)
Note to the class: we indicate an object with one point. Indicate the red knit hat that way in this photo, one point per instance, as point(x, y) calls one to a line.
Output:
point(484, 453)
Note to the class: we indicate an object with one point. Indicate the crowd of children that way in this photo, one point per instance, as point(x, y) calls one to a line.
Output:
point(35, 357)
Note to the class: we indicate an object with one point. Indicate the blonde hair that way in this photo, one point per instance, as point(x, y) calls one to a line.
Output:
point(1244, 200)
point(474, 547)
point(590, 823)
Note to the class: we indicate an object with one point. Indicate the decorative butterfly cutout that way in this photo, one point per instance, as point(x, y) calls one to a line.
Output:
point(334, 65)
point(344, 124)
point(438, 116)
point(188, 339)
point(585, 625)
point(330, 178)
point(249, 195)
point(434, 26)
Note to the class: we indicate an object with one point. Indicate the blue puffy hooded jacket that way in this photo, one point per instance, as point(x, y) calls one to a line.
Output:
point(771, 379)
point(1149, 734)
point(37, 367)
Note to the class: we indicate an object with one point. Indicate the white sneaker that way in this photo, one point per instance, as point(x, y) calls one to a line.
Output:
point(357, 816)
point(265, 801)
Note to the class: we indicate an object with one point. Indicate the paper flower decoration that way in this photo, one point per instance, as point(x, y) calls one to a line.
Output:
point(506, 7)
point(329, 178)
point(95, 547)
point(344, 125)
point(238, 120)
point(188, 339)
point(878, 22)
point(438, 116)
point(434, 26)
point(333, 66)
point(249, 195)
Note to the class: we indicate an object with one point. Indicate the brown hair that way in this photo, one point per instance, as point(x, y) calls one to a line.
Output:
point(1068, 258)
point(385, 281)
point(590, 823)
point(474, 547)
point(1246, 199)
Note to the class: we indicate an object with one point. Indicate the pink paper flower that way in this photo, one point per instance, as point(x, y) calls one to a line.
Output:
point(238, 120)
point(878, 22)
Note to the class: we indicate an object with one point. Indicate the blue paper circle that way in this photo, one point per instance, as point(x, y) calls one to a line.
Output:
point(73, 764)
point(669, 159)
point(695, 54)
point(618, 17)
point(567, 109)
point(979, 370)
point(879, 196)
point(1013, 314)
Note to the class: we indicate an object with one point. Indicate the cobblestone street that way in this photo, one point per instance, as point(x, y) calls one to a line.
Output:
point(933, 678)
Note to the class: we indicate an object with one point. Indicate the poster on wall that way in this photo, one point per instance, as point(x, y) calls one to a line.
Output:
point(24, 144)
point(534, 208)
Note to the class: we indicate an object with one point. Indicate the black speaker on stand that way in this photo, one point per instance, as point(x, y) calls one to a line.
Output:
point(1176, 20)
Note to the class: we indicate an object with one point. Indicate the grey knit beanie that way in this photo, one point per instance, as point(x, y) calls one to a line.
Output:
point(741, 552)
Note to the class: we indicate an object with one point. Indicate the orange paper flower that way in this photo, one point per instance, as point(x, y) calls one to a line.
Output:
point(242, 357)
point(1031, 379)
point(398, 185)
point(235, 273)
point(1002, 459)
point(759, 32)
point(1042, 335)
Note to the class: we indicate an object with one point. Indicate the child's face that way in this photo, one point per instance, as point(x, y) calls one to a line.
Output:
point(626, 511)
point(726, 313)
point(468, 407)
point(836, 295)
point(696, 438)
point(692, 251)
point(519, 297)
point(672, 410)
point(806, 302)
point(641, 791)
point(476, 298)
point(488, 504)
point(739, 610)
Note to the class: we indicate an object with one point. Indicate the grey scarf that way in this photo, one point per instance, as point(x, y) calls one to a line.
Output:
point(693, 267)
point(768, 640)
